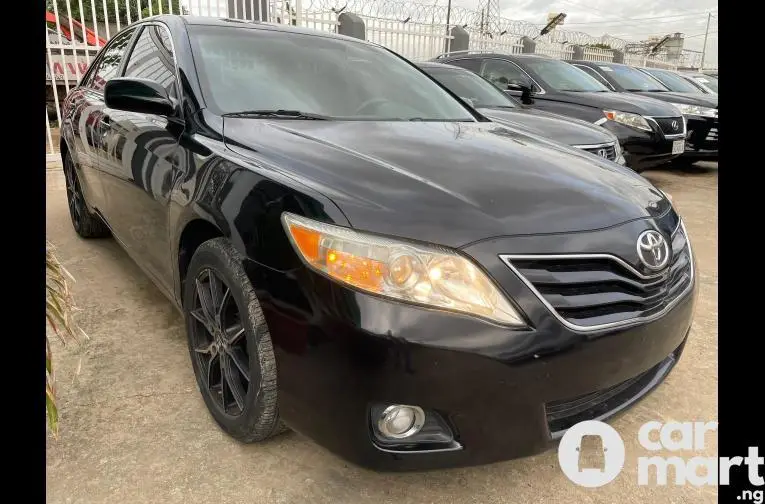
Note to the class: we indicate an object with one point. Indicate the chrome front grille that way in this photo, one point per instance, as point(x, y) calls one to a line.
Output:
point(596, 291)
point(607, 151)
point(671, 125)
point(712, 135)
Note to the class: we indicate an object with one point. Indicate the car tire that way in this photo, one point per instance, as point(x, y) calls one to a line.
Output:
point(85, 223)
point(231, 342)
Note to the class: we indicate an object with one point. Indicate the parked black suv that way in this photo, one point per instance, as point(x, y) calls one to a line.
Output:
point(699, 110)
point(644, 126)
point(491, 102)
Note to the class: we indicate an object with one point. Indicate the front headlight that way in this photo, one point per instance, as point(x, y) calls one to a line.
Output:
point(431, 276)
point(696, 110)
point(632, 120)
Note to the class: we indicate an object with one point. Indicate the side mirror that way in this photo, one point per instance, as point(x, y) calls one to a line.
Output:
point(526, 89)
point(519, 85)
point(138, 95)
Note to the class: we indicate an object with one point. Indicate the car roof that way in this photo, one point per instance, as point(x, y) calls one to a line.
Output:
point(528, 57)
point(598, 63)
point(652, 69)
point(253, 25)
point(433, 64)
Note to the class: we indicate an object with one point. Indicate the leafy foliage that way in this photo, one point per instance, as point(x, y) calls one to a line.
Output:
point(59, 309)
point(91, 7)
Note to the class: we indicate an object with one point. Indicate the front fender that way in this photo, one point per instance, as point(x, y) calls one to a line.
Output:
point(244, 199)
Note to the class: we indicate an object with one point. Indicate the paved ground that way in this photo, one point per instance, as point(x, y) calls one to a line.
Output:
point(135, 429)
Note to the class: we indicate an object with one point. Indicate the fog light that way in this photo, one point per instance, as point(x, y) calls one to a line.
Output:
point(401, 421)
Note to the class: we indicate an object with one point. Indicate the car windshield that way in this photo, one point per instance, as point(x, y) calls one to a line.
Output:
point(708, 81)
point(633, 79)
point(563, 76)
point(244, 69)
point(675, 82)
point(470, 86)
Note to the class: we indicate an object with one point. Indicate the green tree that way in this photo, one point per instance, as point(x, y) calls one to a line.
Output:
point(97, 6)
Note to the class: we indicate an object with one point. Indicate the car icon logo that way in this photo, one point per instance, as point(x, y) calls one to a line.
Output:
point(592, 453)
point(602, 153)
point(675, 125)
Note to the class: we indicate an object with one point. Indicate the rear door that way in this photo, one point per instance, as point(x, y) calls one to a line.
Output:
point(142, 161)
point(87, 108)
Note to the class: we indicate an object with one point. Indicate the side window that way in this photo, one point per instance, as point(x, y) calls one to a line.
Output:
point(595, 75)
point(501, 73)
point(474, 65)
point(152, 58)
point(108, 65)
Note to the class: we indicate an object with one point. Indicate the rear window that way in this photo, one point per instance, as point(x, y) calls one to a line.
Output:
point(470, 86)
point(563, 76)
point(675, 82)
point(632, 79)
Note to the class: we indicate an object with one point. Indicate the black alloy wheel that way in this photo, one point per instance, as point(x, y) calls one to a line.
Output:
point(86, 224)
point(230, 344)
point(219, 343)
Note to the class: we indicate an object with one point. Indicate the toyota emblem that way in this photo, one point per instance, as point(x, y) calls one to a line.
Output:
point(653, 250)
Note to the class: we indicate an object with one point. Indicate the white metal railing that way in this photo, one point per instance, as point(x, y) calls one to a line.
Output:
point(659, 63)
point(649, 62)
point(507, 43)
point(557, 51)
point(597, 54)
point(413, 40)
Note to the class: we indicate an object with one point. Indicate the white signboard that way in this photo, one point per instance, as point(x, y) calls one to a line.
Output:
point(70, 67)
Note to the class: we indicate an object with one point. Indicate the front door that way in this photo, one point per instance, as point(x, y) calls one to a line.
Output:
point(143, 163)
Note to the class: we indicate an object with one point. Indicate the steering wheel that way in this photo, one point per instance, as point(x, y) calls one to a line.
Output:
point(368, 104)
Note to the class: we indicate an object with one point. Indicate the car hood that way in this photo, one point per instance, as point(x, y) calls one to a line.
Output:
point(559, 128)
point(623, 102)
point(447, 183)
point(684, 98)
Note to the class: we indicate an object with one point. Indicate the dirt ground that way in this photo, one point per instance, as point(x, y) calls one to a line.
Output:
point(135, 429)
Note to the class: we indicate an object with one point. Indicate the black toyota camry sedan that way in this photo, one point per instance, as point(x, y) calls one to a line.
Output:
point(502, 109)
point(362, 257)
point(644, 126)
point(699, 110)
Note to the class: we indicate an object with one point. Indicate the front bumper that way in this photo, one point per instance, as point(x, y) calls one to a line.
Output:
point(505, 393)
point(642, 149)
point(702, 139)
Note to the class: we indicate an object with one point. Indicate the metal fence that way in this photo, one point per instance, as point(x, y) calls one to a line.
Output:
point(555, 50)
point(77, 29)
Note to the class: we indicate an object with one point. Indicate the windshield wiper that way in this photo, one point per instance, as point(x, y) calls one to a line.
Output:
point(648, 90)
point(278, 114)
